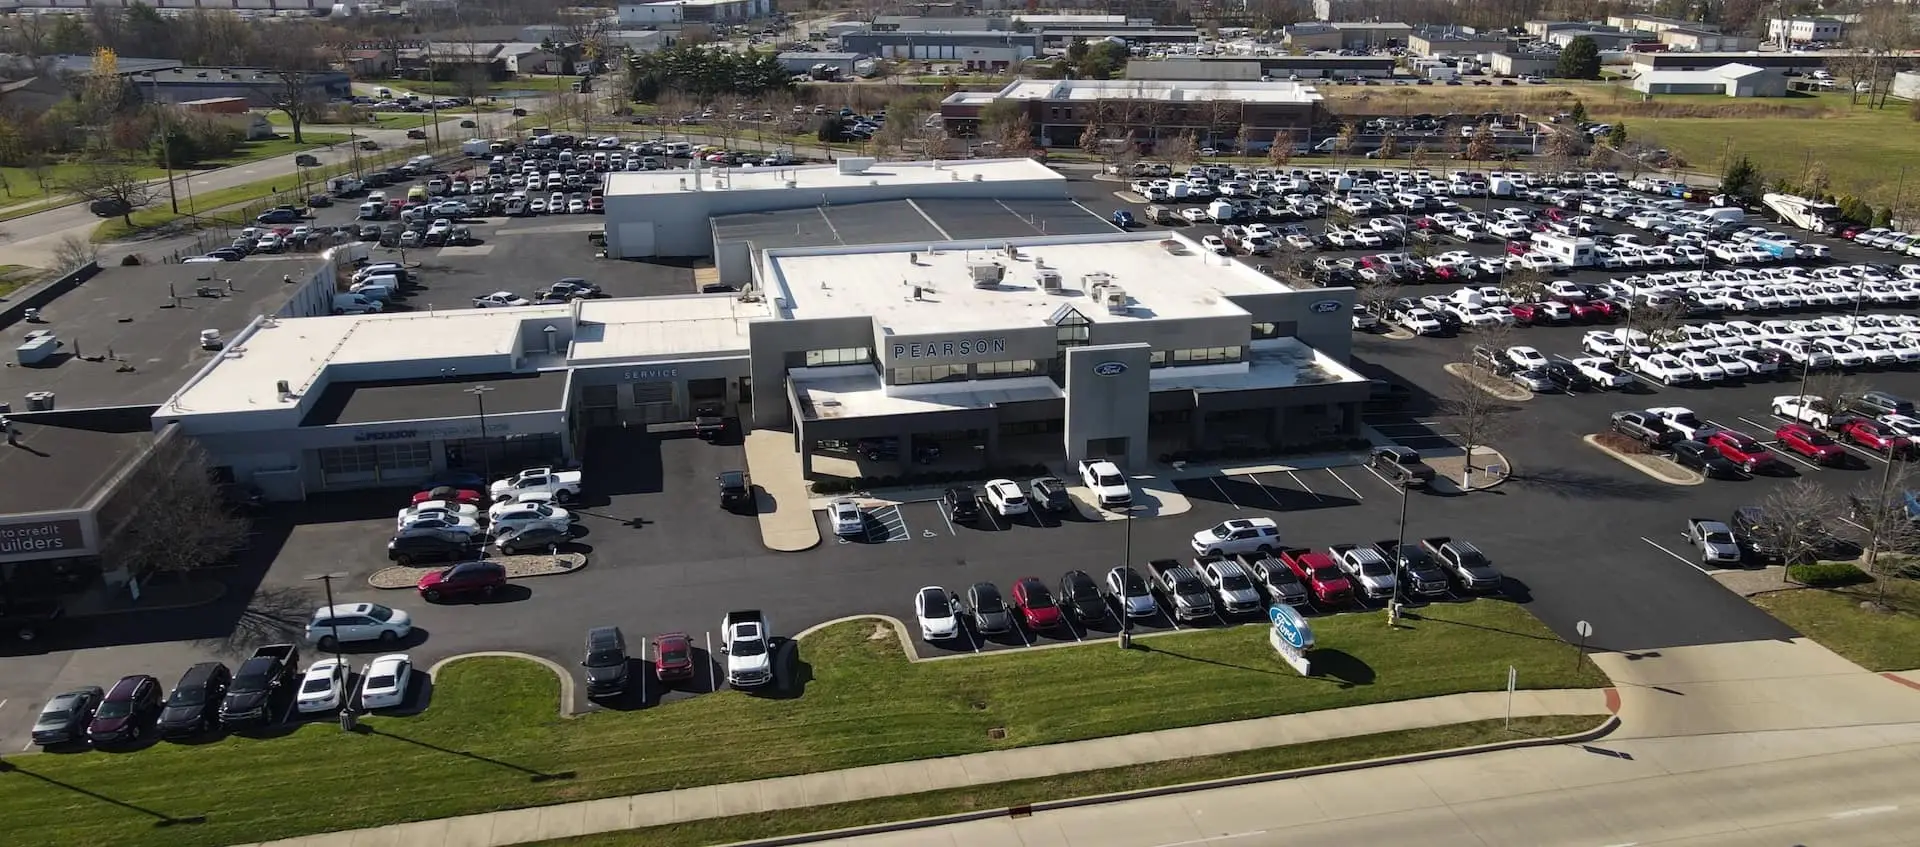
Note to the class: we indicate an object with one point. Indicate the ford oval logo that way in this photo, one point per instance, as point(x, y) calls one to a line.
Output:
point(1326, 307)
point(1110, 368)
point(1292, 628)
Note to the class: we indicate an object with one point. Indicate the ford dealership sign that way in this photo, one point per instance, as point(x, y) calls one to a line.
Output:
point(1326, 307)
point(1110, 368)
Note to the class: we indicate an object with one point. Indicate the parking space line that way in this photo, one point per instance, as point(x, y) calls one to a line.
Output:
point(972, 643)
point(944, 517)
point(992, 518)
point(1343, 483)
point(644, 673)
point(1022, 630)
point(1263, 489)
point(1682, 559)
point(1304, 486)
point(713, 684)
point(1223, 492)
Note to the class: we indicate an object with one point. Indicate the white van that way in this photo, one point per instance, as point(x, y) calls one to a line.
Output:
point(380, 288)
point(1220, 211)
point(371, 211)
point(679, 148)
point(350, 303)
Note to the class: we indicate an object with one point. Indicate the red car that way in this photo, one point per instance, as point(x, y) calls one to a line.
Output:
point(1324, 578)
point(1036, 605)
point(1811, 443)
point(672, 656)
point(1518, 248)
point(1875, 435)
point(1742, 449)
point(467, 579)
point(458, 495)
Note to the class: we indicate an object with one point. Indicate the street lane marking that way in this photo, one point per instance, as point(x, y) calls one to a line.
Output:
point(988, 510)
point(1223, 492)
point(943, 516)
point(1304, 485)
point(1213, 839)
point(1682, 559)
point(1343, 483)
point(1263, 489)
point(1857, 813)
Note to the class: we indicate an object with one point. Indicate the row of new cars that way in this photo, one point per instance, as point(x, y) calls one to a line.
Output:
point(451, 519)
point(211, 697)
point(1878, 422)
point(1239, 568)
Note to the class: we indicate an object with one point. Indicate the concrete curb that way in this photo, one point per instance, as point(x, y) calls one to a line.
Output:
point(372, 577)
point(566, 679)
point(1636, 463)
point(1466, 373)
point(1604, 729)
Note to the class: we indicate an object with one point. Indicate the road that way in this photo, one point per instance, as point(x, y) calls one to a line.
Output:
point(1799, 748)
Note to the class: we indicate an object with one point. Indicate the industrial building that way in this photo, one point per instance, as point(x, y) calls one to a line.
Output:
point(1455, 41)
point(1608, 39)
point(1655, 24)
point(1641, 63)
point(1706, 40)
point(1347, 36)
point(945, 45)
point(1531, 63)
point(1145, 111)
point(678, 12)
point(1800, 30)
point(1255, 68)
point(1733, 80)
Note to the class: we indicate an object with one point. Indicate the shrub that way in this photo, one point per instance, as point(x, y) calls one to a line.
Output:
point(1621, 444)
point(1827, 574)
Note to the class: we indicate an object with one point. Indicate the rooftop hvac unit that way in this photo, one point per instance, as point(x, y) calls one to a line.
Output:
point(857, 164)
point(210, 339)
point(1095, 280)
point(1115, 299)
point(986, 274)
point(1049, 279)
point(979, 178)
point(39, 401)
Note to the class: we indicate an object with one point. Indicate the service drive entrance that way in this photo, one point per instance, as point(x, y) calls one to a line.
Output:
point(654, 402)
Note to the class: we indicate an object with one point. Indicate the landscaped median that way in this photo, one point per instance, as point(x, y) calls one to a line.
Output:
point(491, 739)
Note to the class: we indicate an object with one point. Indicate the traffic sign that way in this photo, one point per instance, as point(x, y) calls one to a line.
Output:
point(1584, 629)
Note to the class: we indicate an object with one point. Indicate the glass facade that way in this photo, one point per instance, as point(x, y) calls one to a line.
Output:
point(1206, 356)
point(920, 374)
point(839, 356)
point(1002, 370)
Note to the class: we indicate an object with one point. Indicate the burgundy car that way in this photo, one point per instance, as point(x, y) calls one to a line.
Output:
point(1036, 605)
point(1874, 435)
point(1585, 311)
point(672, 656)
point(467, 579)
point(1742, 449)
point(1811, 443)
point(129, 709)
point(458, 495)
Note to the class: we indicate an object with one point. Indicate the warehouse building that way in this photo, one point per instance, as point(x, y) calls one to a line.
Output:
point(1733, 80)
point(1455, 41)
point(1145, 111)
point(1706, 40)
point(1258, 68)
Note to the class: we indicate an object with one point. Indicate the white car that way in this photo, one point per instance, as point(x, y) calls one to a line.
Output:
point(1194, 215)
point(1420, 322)
point(1703, 366)
point(520, 515)
point(438, 509)
point(357, 622)
point(1805, 408)
point(847, 519)
point(383, 685)
point(1664, 368)
point(1682, 420)
point(1903, 424)
point(1731, 363)
point(1601, 342)
point(323, 687)
point(1215, 245)
point(937, 612)
point(500, 299)
point(1006, 498)
point(1526, 358)
point(1603, 372)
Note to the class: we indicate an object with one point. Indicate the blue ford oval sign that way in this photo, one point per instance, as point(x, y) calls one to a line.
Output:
point(1110, 368)
point(1291, 628)
point(1326, 306)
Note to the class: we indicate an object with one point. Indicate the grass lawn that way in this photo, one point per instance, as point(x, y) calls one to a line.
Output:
point(25, 189)
point(209, 204)
point(1877, 641)
point(1084, 784)
point(492, 740)
point(1862, 149)
point(15, 277)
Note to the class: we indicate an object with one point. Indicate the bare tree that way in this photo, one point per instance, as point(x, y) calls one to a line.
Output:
point(1090, 141)
point(1524, 286)
point(180, 522)
point(1389, 146)
point(1377, 297)
point(1880, 508)
point(115, 185)
point(933, 138)
point(1343, 143)
point(74, 252)
point(1181, 151)
point(1795, 517)
point(1839, 389)
point(1483, 147)
point(1476, 414)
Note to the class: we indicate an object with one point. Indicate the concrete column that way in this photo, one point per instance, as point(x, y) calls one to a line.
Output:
point(1196, 430)
point(993, 445)
point(905, 459)
point(1277, 426)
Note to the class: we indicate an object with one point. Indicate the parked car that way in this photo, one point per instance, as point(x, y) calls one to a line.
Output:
point(127, 712)
point(1126, 587)
point(846, 517)
point(1036, 605)
point(425, 544)
point(736, 490)
point(532, 539)
point(357, 622)
point(1049, 494)
point(1006, 498)
point(605, 662)
point(1741, 449)
point(384, 683)
point(323, 688)
point(672, 655)
point(1401, 465)
point(1080, 596)
point(1695, 455)
point(961, 505)
point(65, 718)
point(1811, 443)
point(193, 706)
point(1240, 535)
point(467, 579)
point(989, 609)
point(937, 612)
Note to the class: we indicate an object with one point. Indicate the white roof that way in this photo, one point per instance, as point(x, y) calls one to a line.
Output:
point(843, 392)
point(625, 183)
point(1705, 76)
point(1166, 277)
point(298, 350)
point(1178, 91)
point(635, 329)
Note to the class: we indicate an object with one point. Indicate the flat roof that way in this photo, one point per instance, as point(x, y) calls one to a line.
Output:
point(1271, 363)
point(817, 177)
point(68, 457)
point(1178, 91)
point(636, 328)
point(906, 221)
point(154, 342)
point(1164, 275)
point(427, 399)
point(834, 393)
point(298, 350)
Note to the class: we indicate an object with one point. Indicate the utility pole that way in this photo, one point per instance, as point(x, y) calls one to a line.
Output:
point(166, 141)
point(1126, 623)
point(326, 580)
point(479, 393)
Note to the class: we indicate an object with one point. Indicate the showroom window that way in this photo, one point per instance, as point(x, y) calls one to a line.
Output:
point(839, 356)
point(341, 461)
point(1001, 370)
point(1206, 356)
point(921, 374)
point(1266, 330)
point(412, 454)
point(1157, 359)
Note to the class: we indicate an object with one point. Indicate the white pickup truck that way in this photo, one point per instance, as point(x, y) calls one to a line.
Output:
point(748, 647)
point(562, 486)
point(1109, 485)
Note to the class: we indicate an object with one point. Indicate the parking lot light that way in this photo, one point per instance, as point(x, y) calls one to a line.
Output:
point(479, 393)
point(326, 581)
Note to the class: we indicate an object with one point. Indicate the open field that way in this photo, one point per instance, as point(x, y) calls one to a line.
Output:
point(25, 189)
point(1876, 640)
point(491, 738)
point(1084, 784)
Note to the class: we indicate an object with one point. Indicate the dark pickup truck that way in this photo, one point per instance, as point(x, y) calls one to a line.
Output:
point(709, 422)
point(258, 683)
point(1464, 562)
point(1644, 427)
point(27, 619)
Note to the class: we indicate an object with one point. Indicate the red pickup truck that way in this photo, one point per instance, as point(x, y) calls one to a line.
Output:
point(1324, 578)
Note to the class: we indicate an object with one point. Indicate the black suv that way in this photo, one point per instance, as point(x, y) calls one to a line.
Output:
point(961, 504)
point(735, 491)
point(431, 544)
point(1081, 597)
point(1876, 403)
point(1566, 377)
point(606, 662)
point(194, 704)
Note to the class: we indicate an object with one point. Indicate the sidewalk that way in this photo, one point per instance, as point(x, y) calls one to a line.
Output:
point(520, 826)
point(786, 518)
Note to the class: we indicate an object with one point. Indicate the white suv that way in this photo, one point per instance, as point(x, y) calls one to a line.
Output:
point(1006, 498)
point(1243, 535)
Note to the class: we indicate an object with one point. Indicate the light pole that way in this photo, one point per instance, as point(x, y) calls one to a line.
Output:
point(479, 393)
point(1126, 623)
point(326, 581)
point(1399, 559)
point(166, 141)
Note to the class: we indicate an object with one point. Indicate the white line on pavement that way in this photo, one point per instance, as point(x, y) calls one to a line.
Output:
point(1304, 485)
point(1344, 484)
point(943, 516)
point(1682, 559)
point(1264, 490)
point(1214, 839)
point(713, 684)
point(1223, 492)
point(1869, 810)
